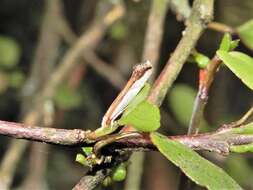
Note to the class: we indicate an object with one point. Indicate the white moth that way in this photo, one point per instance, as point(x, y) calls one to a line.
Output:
point(138, 79)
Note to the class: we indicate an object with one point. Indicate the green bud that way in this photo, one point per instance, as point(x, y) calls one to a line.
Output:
point(225, 42)
point(234, 44)
point(87, 150)
point(201, 60)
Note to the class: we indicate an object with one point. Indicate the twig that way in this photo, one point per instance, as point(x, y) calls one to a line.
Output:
point(182, 10)
point(220, 27)
point(201, 14)
point(241, 121)
point(205, 81)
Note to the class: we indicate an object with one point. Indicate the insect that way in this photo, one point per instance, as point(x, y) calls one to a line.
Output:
point(139, 77)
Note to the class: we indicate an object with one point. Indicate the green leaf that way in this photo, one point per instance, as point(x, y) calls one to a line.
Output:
point(141, 96)
point(245, 33)
point(87, 150)
point(144, 117)
point(225, 42)
point(240, 64)
point(198, 169)
point(9, 52)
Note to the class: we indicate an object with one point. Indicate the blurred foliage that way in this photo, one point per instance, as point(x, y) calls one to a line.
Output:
point(9, 52)
point(240, 169)
point(118, 31)
point(67, 98)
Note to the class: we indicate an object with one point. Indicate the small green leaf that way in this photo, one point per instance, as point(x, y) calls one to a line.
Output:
point(245, 33)
point(240, 64)
point(225, 42)
point(81, 159)
point(198, 169)
point(87, 150)
point(144, 117)
point(141, 96)
point(201, 60)
point(119, 174)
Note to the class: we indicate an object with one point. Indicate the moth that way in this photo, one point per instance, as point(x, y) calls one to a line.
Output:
point(139, 77)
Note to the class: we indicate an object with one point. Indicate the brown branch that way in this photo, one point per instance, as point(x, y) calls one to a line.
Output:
point(42, 134)
point(220, 27)
point(218, 141)
point(201, 14)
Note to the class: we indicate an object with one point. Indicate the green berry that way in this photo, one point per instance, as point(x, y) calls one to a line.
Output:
point(119, 173)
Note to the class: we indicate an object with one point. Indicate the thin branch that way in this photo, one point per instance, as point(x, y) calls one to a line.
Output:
point(241, 121)
point(220, 27)
point(201, 14)
point(205, 81)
